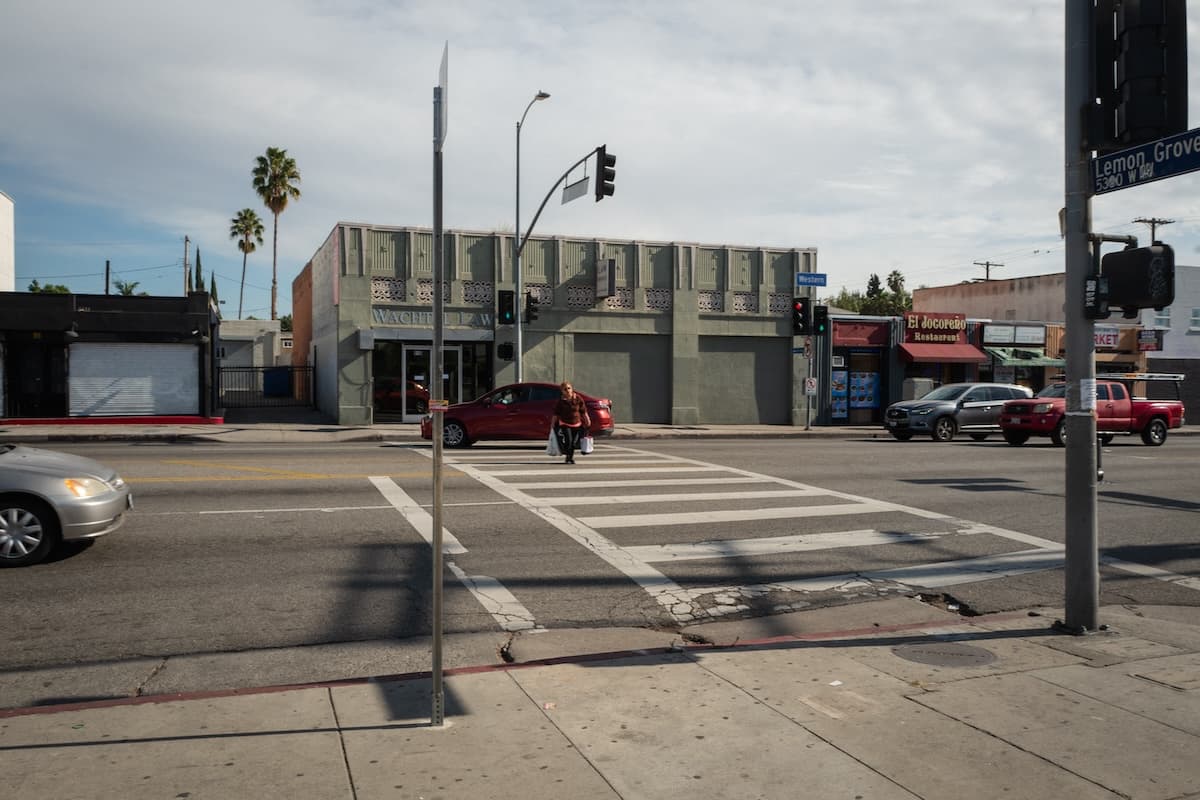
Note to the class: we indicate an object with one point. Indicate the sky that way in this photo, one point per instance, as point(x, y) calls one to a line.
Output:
point(913, 135)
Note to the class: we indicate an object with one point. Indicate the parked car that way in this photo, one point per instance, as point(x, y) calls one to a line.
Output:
point(47, 497)
point(973, 408)
point(516, 411)
point(394, 395)
point(1117, 412)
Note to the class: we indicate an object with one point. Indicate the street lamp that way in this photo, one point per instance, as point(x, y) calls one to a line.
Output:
point(518, 245)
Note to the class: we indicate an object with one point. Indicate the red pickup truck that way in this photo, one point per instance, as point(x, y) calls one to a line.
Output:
point(1117, 411)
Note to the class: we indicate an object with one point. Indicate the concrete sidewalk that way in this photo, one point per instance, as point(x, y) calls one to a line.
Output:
point(890, 699)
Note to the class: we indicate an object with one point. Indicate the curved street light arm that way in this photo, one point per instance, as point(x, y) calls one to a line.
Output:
point(529, 230)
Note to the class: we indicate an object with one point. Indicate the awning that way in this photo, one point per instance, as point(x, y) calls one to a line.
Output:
point(1022, 357)
point(950, 353)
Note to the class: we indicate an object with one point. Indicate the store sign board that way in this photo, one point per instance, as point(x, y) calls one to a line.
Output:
point(998, 334)
point(1107, 337)
point(1150, 340)
point(934, 328)
point(1029, 334)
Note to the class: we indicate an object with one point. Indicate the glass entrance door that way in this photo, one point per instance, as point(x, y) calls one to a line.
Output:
point(419, 377)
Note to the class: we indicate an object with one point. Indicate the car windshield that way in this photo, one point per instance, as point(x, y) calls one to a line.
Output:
point(951, 392)
point(1054, 390)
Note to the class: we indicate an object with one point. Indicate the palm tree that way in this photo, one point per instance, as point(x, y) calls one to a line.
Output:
point(247, 228)
point(126, 288)
point(275, 179)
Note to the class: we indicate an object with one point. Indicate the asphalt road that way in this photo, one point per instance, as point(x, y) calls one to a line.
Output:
point(235, 548)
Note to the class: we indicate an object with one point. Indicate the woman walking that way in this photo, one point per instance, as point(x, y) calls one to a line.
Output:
point(571, 420)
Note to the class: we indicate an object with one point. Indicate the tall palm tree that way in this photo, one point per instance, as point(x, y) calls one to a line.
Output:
point(247, 228)
point(275, 179)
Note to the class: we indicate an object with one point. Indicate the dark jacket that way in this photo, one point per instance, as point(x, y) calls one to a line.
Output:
point(570, 412)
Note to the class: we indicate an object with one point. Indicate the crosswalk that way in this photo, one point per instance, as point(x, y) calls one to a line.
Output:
point(670, 524)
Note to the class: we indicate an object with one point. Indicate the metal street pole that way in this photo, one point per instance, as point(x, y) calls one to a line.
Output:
point(436, 395)
point(1082, 583)
point(518, 246)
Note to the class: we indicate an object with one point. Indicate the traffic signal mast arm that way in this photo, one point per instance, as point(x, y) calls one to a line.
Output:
point(521, 240)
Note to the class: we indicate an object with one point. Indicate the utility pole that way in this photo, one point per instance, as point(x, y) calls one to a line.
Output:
point(1153, 222)
point(987, 268)
point(107, 274)
point(185, 265)
point(1082, 570)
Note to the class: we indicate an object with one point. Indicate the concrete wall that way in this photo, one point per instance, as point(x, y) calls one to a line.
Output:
point(640, 347)
point(1039, 297)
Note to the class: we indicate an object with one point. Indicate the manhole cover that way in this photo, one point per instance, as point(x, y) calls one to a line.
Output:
point(945, 654)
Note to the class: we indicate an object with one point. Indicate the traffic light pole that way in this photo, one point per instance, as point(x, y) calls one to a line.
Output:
point(1082, 573)
point(522, 240)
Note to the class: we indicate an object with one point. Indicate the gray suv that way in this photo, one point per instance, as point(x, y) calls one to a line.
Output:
point(972, 408)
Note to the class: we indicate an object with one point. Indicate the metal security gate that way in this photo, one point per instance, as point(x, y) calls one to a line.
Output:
point(133, 379)
point(265, 387)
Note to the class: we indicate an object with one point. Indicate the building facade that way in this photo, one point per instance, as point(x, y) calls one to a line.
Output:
point(1022, 326)
point(98, 356)
point(1175, 332)
point(671, 333)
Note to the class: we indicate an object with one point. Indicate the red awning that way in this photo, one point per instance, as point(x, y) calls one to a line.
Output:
point(952, 353)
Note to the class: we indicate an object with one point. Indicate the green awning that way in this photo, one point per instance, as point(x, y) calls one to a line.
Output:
point(1023, 357)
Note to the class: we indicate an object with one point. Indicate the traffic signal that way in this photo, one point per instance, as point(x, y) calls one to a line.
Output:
point(801, 317)
point(504, 351)
point(507, 313)
point(531, 310)
point(606, 172)
point(1140, 277)
point(1140, 72)
point(820, 324)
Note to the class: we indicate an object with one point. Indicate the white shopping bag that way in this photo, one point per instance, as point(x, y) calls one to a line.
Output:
point(552, 444)
point(586, 445)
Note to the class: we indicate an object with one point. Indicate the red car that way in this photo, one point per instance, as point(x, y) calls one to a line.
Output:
point(516, 411)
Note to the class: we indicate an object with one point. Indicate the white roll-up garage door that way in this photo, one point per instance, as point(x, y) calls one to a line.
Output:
point(133, 379)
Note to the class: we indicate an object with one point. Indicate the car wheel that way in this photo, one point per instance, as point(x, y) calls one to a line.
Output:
point(903, 436)
point(29, 530)
point(979, 437)
point(1016, 438)
point(944, 429)
point(1106, 438)
point(1059, 434)
point(1155, 433)
point(454, 434)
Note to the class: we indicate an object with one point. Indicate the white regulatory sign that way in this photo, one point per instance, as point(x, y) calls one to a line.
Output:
point(1087, 394)
point(810, 387)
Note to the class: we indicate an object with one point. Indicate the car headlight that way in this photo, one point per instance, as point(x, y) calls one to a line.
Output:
point(85, 487)
point(1042, 408)
point(922, 411)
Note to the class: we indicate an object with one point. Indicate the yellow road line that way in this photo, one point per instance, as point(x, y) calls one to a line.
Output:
point(279, 477)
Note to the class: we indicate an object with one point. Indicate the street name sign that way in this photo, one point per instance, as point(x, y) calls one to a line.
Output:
point(1134, 166)
point(810, 279)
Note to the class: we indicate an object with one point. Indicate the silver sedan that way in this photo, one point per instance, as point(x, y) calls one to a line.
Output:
point(47, 497)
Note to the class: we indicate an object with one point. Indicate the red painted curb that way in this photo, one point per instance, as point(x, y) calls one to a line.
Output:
point(854, 633)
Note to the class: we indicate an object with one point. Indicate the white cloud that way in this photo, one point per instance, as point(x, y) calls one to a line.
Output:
point(916, 135)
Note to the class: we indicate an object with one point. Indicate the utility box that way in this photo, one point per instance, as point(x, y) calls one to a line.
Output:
point(916, 388)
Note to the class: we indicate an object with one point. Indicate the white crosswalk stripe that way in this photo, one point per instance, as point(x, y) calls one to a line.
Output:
point(726, 523)
point(684, 482)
